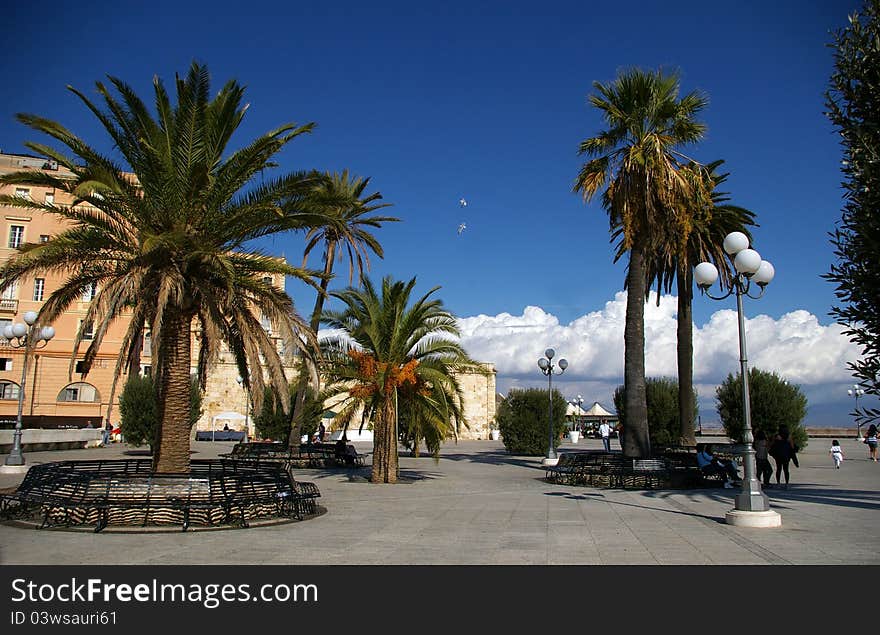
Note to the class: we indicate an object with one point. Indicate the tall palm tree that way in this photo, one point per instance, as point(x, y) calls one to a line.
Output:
point(390, 352)
point(167, 247)
point(349, 213)
point(711, 218)
point(637, 161)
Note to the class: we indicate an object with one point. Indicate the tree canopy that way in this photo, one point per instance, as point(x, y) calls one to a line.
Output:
point(853, 102)
point(773, 402)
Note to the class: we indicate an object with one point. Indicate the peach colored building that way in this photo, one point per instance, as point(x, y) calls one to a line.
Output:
point(51, 387)
point(55, 388)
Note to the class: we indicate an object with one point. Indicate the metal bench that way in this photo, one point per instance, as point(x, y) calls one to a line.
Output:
point(647, 473)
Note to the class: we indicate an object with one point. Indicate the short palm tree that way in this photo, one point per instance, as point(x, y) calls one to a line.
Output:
point(349, 214)
point(637, 162)
point(395, 357)
point(711, 218)
point(429, 411)
point(167, 246)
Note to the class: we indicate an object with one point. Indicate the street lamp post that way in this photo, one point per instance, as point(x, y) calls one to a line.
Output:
point(752, 506)
point(856, 392)
point(547, 367)
point(29, 336)
point(247, 403)
point(577, 402)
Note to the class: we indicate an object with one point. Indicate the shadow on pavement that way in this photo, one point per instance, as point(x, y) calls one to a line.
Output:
point(808, 493)
point(495, 457)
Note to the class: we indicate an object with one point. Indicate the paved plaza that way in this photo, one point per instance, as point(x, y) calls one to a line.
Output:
point(479, 505)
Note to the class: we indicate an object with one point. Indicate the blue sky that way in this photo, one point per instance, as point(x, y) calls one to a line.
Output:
point(485, 101)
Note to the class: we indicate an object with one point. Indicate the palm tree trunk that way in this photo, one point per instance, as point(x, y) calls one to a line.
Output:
point(172, 443)
point(385, 463)
point(685, 334)
point(134, 355)
point(637, 443)
point(303, 379)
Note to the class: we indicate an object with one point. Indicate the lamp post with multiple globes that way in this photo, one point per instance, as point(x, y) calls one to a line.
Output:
point(247, 404)
point(29, 336)
point(578, 403)
point(548, 368)
point(856, 392)
point(752, 506)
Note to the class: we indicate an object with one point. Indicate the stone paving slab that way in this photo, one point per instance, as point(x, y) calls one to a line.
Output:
point(479, 505)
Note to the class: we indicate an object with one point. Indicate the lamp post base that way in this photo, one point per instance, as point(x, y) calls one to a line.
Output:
point(15, 458)
point(14, 469)
point(739, 518)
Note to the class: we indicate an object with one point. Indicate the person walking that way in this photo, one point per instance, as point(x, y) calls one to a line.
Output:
point(605, 433)
point(762, 457)
point(782, 450)
point(871, 440)
point(836, 453)
point(105, 433)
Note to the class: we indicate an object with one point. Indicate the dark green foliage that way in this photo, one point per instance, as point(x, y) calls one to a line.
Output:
point(140, 411)
point(522, 420)
point(195, 402)
point(664, 424)
point(773, 403)
point(853, 102)
point(273, 423)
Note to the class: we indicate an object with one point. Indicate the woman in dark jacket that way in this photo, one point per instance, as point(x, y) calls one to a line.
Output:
point(762, 457)
point(783, 452)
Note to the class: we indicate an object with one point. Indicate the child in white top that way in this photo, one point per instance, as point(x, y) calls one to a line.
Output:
point(836, 453)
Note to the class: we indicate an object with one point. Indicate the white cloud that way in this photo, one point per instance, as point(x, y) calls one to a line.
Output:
point(796, 346)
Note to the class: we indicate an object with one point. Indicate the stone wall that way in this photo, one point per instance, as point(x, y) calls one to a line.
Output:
point(223, 394)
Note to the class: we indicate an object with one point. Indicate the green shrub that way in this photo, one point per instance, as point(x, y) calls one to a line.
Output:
point(139, 410)
point(273, 423)
point(663, 416)
point(522, 420)
point(773, 402)
point(195, 403)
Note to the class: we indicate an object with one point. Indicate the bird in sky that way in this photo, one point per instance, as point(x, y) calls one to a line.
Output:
point(461, 228)
point(462, 203)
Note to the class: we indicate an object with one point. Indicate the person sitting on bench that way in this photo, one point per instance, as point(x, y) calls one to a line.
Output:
point(344, 452)
point(710, 464)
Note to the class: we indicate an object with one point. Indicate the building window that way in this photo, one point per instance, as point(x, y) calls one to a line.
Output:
point(90, 292)
point(80, 367)
point(44, 238)
point(11, 292)
point(39, 286)
point(79, 391)
point(5, 363)
point(50, 198)
point(267, 280)
point(266, 324)
point(23, 192)
point(87, 329)
point(147, 371)
point(8, 390)
point(16, 236)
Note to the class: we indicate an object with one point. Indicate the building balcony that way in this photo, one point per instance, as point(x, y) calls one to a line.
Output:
point(8, 306)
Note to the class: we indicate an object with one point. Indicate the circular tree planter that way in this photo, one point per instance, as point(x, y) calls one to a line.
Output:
point(217, 493)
